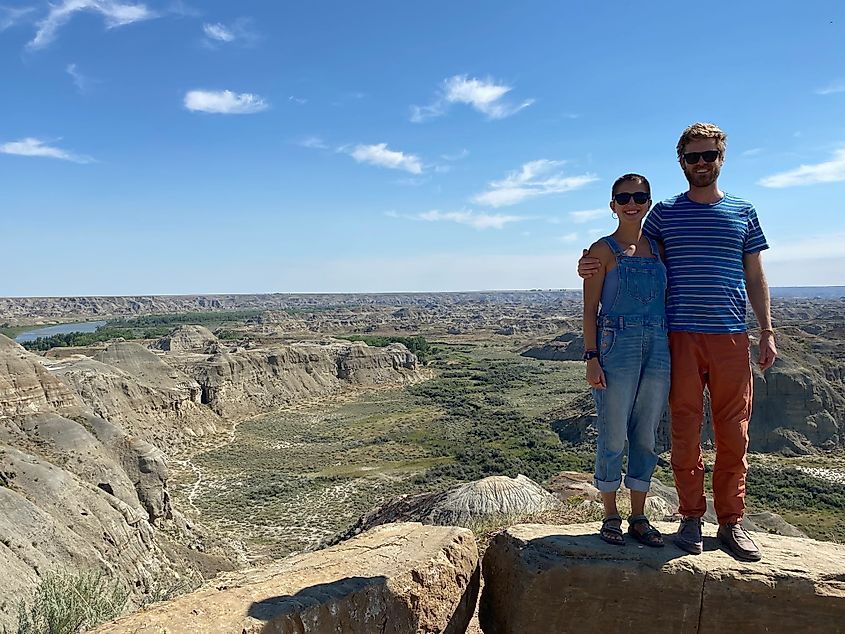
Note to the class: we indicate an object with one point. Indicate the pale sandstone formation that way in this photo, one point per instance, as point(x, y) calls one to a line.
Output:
point(462, 505)
point(188, 338)
point(252, 381)
point(128, 384)
point(82, 496)
point(796, 408)
point(566, 347)
point(396, 578)
point(541, 579)
point(27, 387)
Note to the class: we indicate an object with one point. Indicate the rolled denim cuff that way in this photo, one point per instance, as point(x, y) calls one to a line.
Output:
point(607, 487)
point(633, 484)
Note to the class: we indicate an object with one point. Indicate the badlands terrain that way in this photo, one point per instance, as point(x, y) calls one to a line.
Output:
point(192, 435)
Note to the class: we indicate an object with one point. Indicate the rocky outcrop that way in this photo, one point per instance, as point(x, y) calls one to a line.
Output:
point(395, 578)
point(796, 409)
point(540, 579)
point(26, 387)
point(188, 339)
point(128, 384)
point(250, 381)
point(567, 347)
point(80, 493)
point(462, 505)
point(85, 497)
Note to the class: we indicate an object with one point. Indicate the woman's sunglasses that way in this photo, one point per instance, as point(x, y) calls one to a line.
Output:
point(623, 198)
point(709, 156)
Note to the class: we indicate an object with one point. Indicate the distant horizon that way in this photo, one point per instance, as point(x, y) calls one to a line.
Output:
point(467, 291)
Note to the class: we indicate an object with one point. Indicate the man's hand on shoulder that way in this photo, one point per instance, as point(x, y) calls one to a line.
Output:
point(588, 265)
point(768, 350)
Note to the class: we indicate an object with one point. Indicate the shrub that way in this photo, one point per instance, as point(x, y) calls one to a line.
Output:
point(67, 603)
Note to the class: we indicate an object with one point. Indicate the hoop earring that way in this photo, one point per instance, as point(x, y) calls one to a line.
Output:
point(615, 217)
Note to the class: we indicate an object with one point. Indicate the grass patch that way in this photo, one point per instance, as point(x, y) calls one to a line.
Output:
point(67, 603)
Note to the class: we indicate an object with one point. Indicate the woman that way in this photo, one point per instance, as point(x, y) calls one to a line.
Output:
point(627, 353)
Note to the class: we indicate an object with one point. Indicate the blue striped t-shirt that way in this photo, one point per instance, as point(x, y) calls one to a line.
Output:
point(704, 248)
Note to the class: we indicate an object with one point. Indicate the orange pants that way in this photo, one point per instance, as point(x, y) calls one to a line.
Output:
point(722, 363)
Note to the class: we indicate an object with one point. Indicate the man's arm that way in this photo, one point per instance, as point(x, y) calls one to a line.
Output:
point(758, 295)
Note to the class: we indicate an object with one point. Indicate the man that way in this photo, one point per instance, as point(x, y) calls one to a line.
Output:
point(712, 243)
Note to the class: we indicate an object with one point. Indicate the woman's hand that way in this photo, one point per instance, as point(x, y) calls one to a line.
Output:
point(595, 375)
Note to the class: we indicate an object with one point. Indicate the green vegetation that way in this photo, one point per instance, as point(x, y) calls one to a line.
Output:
point(196, 318)
point(67, 603)
point(484, 432)
point(314, 471)
point(814, 505)
point(103, 333)
point(418, 345)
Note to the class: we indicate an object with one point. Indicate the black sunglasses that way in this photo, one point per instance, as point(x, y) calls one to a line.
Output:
point(623, 198)
point(709, 156)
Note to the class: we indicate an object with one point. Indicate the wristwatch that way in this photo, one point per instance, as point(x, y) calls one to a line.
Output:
point(590, 354)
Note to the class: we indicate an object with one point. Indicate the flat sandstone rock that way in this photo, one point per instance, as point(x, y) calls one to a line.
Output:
point(395, 578)
point(540, 578)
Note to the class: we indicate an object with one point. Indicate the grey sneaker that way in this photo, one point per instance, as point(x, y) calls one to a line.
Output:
point(739, 542)
point(688, 537)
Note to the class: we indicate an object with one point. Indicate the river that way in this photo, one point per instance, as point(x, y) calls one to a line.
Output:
point(60, 329)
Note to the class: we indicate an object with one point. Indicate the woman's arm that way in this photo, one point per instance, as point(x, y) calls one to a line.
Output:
point(592, 296)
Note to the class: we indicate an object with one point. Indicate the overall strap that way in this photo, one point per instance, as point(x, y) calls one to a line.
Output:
point(654, 250)
point(614, 245)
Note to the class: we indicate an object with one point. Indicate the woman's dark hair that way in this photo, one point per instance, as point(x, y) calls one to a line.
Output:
point(633, 178)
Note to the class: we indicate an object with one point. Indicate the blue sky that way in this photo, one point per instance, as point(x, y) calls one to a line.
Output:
point(178, 147)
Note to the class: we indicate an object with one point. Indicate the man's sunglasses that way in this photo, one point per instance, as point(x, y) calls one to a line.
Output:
point(623, 198)
point(709, 156)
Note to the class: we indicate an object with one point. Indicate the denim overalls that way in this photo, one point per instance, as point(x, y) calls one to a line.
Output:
point(634, 354)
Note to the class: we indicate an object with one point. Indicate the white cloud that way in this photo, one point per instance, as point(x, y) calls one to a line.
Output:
point(535, 178)
point(466, 217)
point(470, 218)
point(218, 32)
point(832, 171)
point(240, 32)
point(36, 147)
point(10, 16)
point(580, 217)
point(484, 95)
point(314, 143)
point(381, 156)
point(224, 102)
point(832, 87)
point(82, 82)
point(114, 12)
point(752, 152)
point(569, 237)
